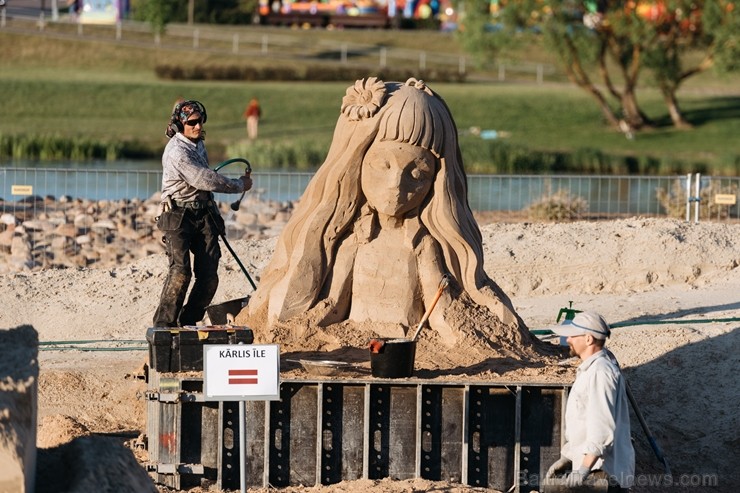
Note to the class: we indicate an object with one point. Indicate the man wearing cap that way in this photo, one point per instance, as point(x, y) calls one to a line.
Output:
point(189, 217)
point(597, 423)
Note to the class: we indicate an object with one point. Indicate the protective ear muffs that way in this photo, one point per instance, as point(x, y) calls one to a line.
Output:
point(176, 125)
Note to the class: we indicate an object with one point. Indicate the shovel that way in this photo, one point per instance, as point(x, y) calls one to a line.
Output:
point(442, 285)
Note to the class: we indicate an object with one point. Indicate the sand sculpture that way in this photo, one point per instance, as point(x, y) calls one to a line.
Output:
point(383, 219)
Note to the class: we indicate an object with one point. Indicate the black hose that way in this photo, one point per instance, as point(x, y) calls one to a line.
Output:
point(223, 235)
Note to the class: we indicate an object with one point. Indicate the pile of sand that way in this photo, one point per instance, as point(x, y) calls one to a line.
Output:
point(632, 271)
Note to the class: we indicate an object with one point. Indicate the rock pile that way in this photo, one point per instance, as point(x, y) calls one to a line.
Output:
point(45, 233)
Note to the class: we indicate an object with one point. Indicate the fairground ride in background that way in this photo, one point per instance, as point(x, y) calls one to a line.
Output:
point(354, 13)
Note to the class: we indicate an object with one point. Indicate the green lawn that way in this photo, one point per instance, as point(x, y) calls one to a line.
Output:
point(103, 91)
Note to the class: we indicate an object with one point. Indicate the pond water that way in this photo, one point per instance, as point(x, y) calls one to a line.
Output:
point(141, 179)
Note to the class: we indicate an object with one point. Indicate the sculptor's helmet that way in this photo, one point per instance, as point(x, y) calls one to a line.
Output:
point(181, 112)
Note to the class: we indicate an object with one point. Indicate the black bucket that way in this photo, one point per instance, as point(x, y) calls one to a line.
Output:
point(392, 358)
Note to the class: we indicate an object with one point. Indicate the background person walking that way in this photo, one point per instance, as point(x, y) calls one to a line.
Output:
point(252, 113)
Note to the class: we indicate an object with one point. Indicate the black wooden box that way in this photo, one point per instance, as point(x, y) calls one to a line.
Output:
point(181, 349)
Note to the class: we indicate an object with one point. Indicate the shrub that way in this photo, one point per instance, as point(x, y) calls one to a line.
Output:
point(673, 201)
point(559, 206)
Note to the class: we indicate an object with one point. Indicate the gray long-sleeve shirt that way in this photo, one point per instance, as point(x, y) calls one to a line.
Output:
point(186, 175)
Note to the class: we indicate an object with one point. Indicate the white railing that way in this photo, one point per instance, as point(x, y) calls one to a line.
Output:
point(246, 41)
point(694, 197)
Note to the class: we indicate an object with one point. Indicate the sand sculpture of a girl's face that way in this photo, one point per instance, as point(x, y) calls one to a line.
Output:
point(383, 219)
point(396, 177)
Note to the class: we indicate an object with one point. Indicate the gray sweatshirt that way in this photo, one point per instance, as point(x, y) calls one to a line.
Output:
point(186, 175)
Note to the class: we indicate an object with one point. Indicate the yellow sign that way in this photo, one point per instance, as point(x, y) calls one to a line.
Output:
point(21, 190)
point(725, 199)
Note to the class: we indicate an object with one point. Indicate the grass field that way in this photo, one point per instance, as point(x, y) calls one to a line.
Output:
point(78, 89)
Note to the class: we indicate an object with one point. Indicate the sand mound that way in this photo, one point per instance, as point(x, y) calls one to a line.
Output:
point(635, 271)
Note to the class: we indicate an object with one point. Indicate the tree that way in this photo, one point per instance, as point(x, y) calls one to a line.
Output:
point(159, 13)
point(616, 40)
point(685, 38)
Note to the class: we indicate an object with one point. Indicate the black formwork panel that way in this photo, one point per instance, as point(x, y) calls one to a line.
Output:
point(491, 437)
point(293, 435)
point(342, 433)
point(441, 433)
point(189, 441)
point(541, 433)
point(495, 436)
point(254, 430)
point(392, 431)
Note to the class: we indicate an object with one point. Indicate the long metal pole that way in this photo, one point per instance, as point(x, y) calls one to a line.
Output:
point(688, 197)
point(697, 198)
point(242, 449)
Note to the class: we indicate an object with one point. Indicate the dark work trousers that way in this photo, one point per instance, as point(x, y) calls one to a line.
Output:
point(196, 234)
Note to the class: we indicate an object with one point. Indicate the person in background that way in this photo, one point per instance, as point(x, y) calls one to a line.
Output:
point(252, 113)
point(189, 218)
point(597, 424)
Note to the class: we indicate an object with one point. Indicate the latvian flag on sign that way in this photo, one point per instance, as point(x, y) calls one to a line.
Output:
point(242, 377)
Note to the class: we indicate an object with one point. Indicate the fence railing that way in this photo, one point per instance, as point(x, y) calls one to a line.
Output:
point(600, 197)
point(243, 41)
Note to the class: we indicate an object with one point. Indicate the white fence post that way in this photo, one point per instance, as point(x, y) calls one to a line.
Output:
point(697, 198)
point(688, 197)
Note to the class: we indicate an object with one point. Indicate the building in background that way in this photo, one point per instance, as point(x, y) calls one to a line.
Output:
point(101, 11)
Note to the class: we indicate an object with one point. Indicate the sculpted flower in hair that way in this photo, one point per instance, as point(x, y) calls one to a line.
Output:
point(363, 99)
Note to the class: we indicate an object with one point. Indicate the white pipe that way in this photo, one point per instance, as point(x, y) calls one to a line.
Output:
point(697, 198)
point(688, 197)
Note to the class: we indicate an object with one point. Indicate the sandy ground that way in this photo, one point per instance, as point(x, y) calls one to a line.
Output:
point(640, 272)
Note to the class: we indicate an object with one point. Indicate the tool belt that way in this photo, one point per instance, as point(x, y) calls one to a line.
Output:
point(193, 204)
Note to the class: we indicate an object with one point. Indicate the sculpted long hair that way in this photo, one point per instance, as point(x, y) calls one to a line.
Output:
point(333, 202)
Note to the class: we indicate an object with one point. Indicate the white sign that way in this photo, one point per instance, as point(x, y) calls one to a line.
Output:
point(241, 372)
point(725, 199)
point(21, 190)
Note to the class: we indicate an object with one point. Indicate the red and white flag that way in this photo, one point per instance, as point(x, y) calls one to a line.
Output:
point(242, 377)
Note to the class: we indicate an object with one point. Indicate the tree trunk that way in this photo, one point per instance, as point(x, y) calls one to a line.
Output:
point(579, 77)
point(633, 115)
point(671, 102)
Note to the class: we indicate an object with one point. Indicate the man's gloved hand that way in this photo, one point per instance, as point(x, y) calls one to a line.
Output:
point(576, 478)
point(560, 465)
